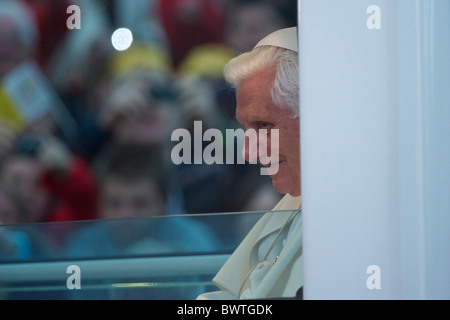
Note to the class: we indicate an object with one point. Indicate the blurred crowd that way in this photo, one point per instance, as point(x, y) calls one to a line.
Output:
point(115, 161)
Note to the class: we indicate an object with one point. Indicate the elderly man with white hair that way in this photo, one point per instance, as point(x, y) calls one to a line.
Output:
point(268, 263)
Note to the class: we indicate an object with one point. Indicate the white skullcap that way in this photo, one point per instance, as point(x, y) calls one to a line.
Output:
point(284, 38)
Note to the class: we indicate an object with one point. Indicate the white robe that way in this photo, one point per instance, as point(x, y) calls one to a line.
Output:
point(285, 277)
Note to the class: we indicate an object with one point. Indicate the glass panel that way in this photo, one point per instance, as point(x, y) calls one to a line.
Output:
point(166, 257)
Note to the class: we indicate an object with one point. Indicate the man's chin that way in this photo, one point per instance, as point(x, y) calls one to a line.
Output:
point(284, 187)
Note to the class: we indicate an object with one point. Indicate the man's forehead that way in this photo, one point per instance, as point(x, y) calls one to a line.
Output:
point(255, 111)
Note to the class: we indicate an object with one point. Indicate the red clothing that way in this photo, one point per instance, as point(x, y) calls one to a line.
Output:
point(189, 23)
point(50, 17)
point(75, 194)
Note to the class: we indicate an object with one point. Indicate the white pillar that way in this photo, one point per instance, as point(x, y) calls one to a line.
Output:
point(375, 148)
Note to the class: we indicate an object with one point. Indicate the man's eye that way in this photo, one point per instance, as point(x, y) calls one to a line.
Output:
point(264, 125)
point(264, 128)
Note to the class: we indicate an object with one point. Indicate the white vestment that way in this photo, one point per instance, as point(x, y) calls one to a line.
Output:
point(280, 279)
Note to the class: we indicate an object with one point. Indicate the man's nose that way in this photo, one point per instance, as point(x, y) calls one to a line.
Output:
point(255, 146)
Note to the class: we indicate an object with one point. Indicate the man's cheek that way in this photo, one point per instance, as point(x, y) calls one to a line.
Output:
point(269, 152)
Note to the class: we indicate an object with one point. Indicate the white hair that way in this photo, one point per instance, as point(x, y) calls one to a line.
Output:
point(285, 88)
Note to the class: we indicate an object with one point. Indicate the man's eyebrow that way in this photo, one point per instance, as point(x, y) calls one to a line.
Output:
point(255, 118)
